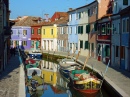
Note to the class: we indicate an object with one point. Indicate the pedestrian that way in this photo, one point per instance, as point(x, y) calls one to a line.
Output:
point(14, 50)
point(11, 51)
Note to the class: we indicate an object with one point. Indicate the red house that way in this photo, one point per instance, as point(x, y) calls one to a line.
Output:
point(36, 37)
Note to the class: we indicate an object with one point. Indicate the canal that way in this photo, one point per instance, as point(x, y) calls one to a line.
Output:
point(55, 85)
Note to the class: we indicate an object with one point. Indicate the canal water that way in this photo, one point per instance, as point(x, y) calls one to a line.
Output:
point(55, 85)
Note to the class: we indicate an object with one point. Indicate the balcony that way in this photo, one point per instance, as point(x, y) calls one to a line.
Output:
point(7, 31)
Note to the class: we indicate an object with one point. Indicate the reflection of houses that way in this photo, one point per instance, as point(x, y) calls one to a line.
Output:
point(49, 72)
point(21, 35)
point(125, 39)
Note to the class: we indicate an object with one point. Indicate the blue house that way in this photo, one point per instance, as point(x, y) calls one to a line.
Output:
point(73, 31)
point(125, 39)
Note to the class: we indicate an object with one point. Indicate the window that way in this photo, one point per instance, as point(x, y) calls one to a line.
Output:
point(87, 28)
point(108, 29)
point(88, 12)
point(17, 42)
point(79, 15)
point(117, 51)
point(24, 43)
point(125, 2)
point(39, 31)
point(51, 78)
point(81, 43)
point(127, 25)
point(32, 31)
point(51, 31)
point(113, 26)
point(86, 45)
point(122, 52)
point(103, 28)
point(107, 50)
point(70, 45)
point(124, 26)
point(24, 32)
point(32, 43)
point(43, 31)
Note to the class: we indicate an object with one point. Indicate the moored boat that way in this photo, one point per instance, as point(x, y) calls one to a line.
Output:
point(34, 80)
point(84, 82)
point(35, 54)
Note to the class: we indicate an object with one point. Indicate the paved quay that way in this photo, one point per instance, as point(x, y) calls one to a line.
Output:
point(12, 79)
point(119, 79)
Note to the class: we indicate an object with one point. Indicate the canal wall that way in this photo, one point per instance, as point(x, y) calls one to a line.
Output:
point(108, 84)
point(22, 90)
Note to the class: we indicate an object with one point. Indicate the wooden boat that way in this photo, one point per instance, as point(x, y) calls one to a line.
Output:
point(35, 54)
point(37, 64)
point(85, 82)
point(34, 80)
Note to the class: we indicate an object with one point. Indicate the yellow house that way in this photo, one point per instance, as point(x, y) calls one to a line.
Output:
point(49, 72)
point(49, 36)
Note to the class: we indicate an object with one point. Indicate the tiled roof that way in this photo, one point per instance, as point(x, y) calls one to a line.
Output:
point(27, 21)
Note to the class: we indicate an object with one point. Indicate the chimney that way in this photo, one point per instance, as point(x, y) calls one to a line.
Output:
point(70, 9)
point(46, 17)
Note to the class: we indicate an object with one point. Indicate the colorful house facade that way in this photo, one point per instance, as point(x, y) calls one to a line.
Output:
point(35, 37)
point(62, 34)
point(125, 39)
point(49, 36)
point(21, 37)
point(92, 28)
point(73, 31)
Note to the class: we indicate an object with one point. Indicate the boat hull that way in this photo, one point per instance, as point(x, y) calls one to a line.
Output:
point(88, 92)
point(35, 56)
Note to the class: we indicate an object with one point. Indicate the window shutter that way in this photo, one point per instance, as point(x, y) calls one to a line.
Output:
point(78, 29)
point(86, 44)
point(81, 29)
point(125, 2)
point(88, 28)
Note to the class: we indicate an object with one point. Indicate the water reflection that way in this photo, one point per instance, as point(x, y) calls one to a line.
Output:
point(55, 84)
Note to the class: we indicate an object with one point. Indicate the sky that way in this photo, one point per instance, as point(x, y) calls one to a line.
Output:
point(41, 7)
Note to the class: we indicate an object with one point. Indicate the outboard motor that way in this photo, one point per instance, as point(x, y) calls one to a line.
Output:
point(34, 85)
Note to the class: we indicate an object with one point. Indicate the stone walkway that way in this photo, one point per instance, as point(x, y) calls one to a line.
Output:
point(9, 79)
point(118, 78)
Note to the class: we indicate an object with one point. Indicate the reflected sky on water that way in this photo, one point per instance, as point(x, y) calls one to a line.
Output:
point(55, 85)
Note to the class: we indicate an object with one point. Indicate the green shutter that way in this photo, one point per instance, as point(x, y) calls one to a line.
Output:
point(86, 29)
point(78, 29)
point(81, 29)
point(86, 45)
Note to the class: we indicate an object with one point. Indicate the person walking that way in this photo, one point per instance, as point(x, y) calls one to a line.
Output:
point(14, 50)
point(11, 51)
